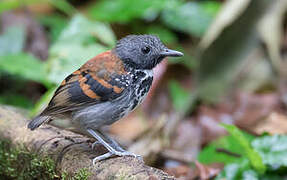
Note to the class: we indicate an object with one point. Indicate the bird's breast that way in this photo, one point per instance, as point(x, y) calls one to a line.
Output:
point(142, 82)
point(137, 85)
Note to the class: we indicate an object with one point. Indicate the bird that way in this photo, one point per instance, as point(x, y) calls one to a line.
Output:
point(105, 89)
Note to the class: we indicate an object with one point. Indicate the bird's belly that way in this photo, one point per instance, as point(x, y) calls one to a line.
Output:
point(102, 114)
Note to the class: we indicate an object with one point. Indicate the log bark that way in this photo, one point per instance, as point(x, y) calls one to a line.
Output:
point(71, 152)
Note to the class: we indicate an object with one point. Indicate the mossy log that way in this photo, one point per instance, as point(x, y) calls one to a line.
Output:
point(71, 152)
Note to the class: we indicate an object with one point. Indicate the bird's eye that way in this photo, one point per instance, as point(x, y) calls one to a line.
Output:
point(146, 50)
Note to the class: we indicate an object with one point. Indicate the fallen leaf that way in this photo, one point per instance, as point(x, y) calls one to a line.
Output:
point(206, 172)
point(252, 108)
point(181, 172)
point(275, 123)
point(187, 140)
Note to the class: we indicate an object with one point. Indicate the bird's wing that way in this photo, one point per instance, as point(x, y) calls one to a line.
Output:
point(95, 82)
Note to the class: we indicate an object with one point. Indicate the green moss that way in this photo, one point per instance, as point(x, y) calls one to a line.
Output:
point(20, 164)
point(82, 174)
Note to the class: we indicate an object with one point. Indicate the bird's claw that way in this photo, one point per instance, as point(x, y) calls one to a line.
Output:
point(127, 153)
point(116, 153)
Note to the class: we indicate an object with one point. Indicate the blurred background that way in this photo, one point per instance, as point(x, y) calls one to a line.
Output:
point(218, 112)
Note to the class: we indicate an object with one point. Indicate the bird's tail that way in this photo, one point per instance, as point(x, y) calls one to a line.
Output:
point(37, 121)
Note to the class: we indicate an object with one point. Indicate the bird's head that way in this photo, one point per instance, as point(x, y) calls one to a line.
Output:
point(143, 51)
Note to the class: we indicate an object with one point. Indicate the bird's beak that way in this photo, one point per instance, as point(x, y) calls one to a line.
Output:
point(171, 53)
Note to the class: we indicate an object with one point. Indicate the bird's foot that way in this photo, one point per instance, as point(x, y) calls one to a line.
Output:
point(116, 153)
point(102, 157)
point(127, 153)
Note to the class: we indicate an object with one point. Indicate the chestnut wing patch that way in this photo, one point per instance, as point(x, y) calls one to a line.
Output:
point(83, 88)
point(97, 88)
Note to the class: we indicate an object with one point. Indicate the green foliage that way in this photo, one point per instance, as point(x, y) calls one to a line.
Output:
point(241, 171)
point(260, 157)
point(12, 40)
point(73, 44)
point(252, 155)
point(180, 97)
point(235, 171)
point(24, 65)
point(117, 11)
point(6, 5)
point(64, 6)
point(165, 35)
point(191, 17)
point(273, 150)
point(79, 41)
point(16, 100)
point(212, 153)
point(13, 61)
point(55, 24)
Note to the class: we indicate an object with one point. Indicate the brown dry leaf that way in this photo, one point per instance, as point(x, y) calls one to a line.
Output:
point(275, 123)
point(252, 108)
point(181, 172)
point(245, 110)
point(41, 8)
point(187, 142)
point(206, 172)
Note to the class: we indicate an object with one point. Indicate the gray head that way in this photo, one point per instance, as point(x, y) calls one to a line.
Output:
point(143, 51)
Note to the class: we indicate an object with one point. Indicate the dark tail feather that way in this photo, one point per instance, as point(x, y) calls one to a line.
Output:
point(37, 121)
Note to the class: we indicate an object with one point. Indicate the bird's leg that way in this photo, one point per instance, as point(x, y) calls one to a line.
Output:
point(113, 148)
point(101, 140)
point(114, 144)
